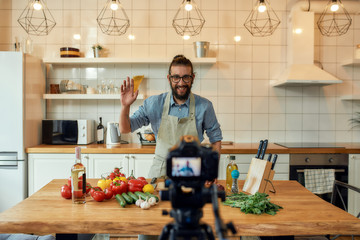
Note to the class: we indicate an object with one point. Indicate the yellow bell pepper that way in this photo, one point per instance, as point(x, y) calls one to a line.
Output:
point(104, 183)
point(148, 188)
point(123, 179)
point(120, 178)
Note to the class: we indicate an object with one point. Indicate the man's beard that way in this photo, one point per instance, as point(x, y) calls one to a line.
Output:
point(181, 97)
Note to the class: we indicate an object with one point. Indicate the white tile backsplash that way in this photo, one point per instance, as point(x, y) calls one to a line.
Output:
point(310, 122)
point(242, 122)
point(226, 104)
point(277, 122)
point(294, 105)
point(238, 84)
point(294, 122)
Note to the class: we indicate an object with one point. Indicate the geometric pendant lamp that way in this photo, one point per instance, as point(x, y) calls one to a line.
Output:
point(334, 20)
point(188, 20)
point(262, 20)
point(36, 18)
point(112, 19)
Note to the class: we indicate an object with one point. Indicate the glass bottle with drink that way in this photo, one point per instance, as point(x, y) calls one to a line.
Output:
point(78, 179)
point(230, 167)
point(100, 132)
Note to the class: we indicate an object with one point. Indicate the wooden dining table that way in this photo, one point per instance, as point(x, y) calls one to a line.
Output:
point(47, 212)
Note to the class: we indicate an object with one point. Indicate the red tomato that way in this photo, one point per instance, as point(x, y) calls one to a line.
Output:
point(94, 189)
point(112, 176)
point(119, 187)
point(108, 193)
point(141, 178)
point(65, 191)
point(98, 195)
point(116, 170)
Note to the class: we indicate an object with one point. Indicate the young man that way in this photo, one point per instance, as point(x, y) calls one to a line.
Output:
point(171, 115)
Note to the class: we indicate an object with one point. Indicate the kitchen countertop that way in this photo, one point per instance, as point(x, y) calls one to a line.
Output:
point(235, 148)
point(303, 213)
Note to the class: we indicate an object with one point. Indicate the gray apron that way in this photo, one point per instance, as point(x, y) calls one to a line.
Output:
point(170, 130)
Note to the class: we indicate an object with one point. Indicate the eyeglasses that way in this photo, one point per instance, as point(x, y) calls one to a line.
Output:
point(185, 78)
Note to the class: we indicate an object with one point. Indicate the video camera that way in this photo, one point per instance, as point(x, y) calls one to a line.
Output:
point(191, 164)
point(188, 166)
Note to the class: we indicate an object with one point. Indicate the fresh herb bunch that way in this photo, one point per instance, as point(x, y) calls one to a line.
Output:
point(253, 204)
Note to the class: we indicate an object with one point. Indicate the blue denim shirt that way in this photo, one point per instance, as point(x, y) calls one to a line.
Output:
point(150, 113)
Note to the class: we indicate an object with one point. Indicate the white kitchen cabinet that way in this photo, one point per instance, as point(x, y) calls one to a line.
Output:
point(141, 164)
point(354, 179)
point(243, 161)
point(45, 167)
point(104, 163)
point(138, 163)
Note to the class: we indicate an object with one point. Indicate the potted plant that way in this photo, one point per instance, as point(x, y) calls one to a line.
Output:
point(96, 49)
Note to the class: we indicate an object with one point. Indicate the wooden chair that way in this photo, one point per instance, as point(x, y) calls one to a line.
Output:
point(336, 192)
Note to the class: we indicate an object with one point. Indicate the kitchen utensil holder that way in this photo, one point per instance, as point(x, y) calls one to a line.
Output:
point(259, 177)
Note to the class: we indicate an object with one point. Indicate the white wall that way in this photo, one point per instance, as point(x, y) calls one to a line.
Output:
point(247, 107)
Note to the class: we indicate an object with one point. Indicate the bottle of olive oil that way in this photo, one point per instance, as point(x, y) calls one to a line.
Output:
point(78, 179)
point(230, 167)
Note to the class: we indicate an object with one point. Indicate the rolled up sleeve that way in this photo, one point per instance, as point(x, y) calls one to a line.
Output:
point(139, 119)
point(211, 125)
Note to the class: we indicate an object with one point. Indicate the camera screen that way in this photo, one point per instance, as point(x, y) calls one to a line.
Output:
point(186, 167)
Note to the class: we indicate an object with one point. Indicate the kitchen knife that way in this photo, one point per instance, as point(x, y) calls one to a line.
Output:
point(263, 149)
point(274, 161)
point(153, 182)
point(269, 157)
point(259, 149)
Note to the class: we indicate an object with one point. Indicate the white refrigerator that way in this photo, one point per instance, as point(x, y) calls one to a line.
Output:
point(22, 84)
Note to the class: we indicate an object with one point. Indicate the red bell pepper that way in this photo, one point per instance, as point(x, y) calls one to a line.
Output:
point(136, 185)
point(119, 187)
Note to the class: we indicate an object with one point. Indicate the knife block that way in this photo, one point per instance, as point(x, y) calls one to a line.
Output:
point(259, 176)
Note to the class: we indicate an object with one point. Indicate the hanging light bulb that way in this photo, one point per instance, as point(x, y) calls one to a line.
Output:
point(114, 6)
point(262, 20)
point(131, 37)
point(262, 6)
point(334, 20)
point(188, 6)
point(36, 19)
point(188, 19)
point(113, 19)
point(37, 5)
point(186, 37)
point(334, 6)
